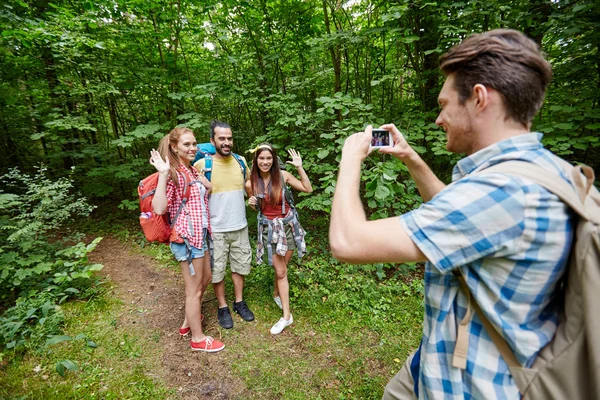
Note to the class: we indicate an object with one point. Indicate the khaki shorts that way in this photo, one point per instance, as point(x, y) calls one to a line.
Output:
point(235, 247)
point(289, 235)
point(402, 385)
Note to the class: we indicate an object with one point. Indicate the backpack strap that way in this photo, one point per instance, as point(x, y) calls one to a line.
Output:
point(286, 194)
point(289, 196)
point(574, 196)
point(461, 348)
point(283, 188)
point(208, 161)
point(242, 165)
point(582, 178)
point(185, 197)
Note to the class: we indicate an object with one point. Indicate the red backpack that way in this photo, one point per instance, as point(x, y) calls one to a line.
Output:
point(157, 228)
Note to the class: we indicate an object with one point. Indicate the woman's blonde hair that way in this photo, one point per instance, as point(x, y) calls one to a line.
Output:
point(165, 148)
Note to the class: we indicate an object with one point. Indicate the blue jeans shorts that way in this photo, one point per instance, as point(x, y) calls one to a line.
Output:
point(180, 250)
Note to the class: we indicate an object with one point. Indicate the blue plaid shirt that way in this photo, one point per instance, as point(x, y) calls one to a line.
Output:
point(511, 239)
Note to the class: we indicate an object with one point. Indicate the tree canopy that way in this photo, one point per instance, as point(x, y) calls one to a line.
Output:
point(95, 84)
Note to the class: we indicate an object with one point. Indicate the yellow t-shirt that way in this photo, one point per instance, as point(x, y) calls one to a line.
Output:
point(226, 203)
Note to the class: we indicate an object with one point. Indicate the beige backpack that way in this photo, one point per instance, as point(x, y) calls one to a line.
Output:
point(568, 368)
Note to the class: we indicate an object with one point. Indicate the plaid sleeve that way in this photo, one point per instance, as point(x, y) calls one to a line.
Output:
point(473, 218)
point(172, 197)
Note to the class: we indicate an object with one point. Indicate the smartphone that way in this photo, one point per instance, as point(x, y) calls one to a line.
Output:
point(382, 138)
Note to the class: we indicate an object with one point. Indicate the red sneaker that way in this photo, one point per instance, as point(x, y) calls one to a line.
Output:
point(209, 345)
point(185, 331)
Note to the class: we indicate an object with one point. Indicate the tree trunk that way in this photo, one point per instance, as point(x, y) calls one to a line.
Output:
point(335, 58)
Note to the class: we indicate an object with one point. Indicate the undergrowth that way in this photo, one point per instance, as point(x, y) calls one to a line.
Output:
point(354, 326)
point(43, 262)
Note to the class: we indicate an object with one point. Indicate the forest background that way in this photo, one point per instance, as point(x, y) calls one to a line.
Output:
point(87, 88)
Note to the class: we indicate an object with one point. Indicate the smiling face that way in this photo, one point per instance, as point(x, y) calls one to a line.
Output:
point(264, 160)
point(186, 148)
point(455, 119)
point(223, 141)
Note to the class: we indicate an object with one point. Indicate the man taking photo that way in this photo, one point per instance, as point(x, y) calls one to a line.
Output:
point(506, 235)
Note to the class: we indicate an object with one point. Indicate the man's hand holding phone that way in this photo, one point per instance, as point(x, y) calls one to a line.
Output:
point(387, 139)
point(400, 148)
point(357, 146)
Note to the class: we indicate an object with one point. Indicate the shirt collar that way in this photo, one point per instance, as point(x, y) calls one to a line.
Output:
point(528, 141)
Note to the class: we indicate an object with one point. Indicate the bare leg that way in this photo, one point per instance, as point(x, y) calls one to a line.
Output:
point(219, 289)
point(194, 286)
point(238, 286)
point(280, 265)
point(288, 257)
point(185, 323)
point(207, 278)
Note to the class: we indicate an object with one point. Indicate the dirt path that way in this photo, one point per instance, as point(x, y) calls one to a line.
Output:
point(140, 284)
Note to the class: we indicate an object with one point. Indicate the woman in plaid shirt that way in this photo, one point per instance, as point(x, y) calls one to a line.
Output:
point(180, 183)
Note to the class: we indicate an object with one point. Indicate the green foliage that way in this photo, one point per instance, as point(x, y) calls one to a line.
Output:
point(38, 205)
point(361, 319)
point(36, 273)
point(86, 353)
point(96, 85)
point(359, 289)
point(30, 321)
point(64, 365)
point(389, 189)
point(321, 286)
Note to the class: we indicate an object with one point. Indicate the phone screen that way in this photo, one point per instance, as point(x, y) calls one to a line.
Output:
point(381, 138)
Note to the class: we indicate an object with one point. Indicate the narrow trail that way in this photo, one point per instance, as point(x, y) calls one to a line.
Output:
point(153, 301)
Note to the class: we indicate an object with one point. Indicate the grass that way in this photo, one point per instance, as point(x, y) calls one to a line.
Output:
point(342, 345)
point(354, 327)
point(126, 371)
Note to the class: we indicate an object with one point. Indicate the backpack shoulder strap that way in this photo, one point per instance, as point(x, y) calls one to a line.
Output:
point(208, 161)
point(283, 193)
point(185, 196)
point(289, 196)
point(242, 165)
point(186, 184)
point(462, 338)
point(582, 179)
point(286, 194)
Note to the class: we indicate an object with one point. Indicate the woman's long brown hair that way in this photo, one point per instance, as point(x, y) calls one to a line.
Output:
point(275, 187)
point(165, 148)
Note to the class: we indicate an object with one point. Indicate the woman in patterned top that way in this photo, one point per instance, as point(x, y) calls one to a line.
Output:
point(266, 182)
point(177, 182)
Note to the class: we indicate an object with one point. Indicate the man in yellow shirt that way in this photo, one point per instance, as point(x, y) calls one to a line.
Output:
point(228, 222)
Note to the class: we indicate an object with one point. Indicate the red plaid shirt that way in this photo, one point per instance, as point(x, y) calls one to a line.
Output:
point(195, 211)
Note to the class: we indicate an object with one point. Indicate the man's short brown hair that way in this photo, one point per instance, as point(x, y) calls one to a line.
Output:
point(505, 60)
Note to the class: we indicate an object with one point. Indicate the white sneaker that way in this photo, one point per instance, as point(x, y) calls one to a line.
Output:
point(278, 302)
point(281, 325)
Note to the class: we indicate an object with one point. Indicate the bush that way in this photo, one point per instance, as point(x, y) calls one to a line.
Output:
point(38, 270)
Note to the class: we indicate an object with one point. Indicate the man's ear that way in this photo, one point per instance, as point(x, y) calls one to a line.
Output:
point(212, 141)
point(481, 97)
